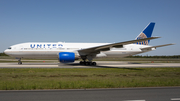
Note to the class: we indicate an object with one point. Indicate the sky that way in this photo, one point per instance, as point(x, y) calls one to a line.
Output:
point(103, 21)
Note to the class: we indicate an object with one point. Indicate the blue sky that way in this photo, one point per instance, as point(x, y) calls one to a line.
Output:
point(89, 21)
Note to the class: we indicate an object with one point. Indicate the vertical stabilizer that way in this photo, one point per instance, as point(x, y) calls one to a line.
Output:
point(146, 33)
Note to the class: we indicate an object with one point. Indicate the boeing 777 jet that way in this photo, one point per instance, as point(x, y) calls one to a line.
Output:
point(69, 52)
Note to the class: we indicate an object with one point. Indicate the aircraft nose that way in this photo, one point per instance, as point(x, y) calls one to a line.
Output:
point(6, 52)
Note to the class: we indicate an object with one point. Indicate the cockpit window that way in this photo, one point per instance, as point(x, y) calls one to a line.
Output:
point(9, 48)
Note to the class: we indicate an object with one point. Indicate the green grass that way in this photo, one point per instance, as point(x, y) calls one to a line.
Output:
point(82, 78)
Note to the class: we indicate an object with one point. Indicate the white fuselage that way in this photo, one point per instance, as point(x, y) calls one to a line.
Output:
point(51, 50)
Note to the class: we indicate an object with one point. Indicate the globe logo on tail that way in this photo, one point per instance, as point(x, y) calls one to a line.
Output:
point(142, 36)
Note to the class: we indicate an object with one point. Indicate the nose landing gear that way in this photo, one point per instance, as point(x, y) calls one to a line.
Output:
point(19, 61)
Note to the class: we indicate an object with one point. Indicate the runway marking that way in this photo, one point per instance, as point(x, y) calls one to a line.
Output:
point(175, 99)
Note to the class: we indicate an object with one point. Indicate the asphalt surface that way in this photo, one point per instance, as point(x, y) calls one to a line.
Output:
point(122, 94)
point(100, 64)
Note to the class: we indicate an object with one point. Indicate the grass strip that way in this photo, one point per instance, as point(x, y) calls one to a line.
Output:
point(82, 78)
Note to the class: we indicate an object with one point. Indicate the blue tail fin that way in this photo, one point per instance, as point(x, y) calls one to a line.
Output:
point(146, 33)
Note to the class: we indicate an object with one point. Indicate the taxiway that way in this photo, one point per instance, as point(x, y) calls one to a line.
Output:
point(119, 94)
point(100, 64)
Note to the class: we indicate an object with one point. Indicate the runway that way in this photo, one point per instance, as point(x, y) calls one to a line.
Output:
point(119, 94)
point(100, 64)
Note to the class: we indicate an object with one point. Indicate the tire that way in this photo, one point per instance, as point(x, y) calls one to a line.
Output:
point(81, 62)
point(19, 63)
point(87, 63)
point(94, 63)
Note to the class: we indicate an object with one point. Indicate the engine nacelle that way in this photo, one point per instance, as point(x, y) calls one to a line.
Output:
point(66, 57)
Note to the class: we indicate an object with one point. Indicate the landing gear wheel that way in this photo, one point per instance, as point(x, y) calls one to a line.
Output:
point(81, 62)
point(94, 63)
point(20, 63)
point(87, 63)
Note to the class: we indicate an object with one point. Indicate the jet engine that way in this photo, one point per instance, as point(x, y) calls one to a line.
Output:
point(66, 57)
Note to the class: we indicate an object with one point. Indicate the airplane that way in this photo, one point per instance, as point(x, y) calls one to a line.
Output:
point(69, 52)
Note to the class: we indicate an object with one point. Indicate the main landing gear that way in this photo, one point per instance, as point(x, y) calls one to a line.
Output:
point(87, 63)
point(89, 58)
point(19, 61)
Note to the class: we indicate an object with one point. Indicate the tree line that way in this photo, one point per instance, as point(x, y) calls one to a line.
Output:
point(3, 54)
point(140, 56)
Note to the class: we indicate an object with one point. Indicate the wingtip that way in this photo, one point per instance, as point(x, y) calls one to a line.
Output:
point(156, 37)
point(172, 43)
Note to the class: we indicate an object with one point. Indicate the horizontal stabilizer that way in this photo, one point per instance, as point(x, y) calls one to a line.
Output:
point(148, 48)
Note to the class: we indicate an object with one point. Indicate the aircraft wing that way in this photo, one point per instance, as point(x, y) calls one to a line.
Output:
point(97, 49)
point(149, 48)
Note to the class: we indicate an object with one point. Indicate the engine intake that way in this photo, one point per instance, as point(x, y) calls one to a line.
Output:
point(66, 57)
